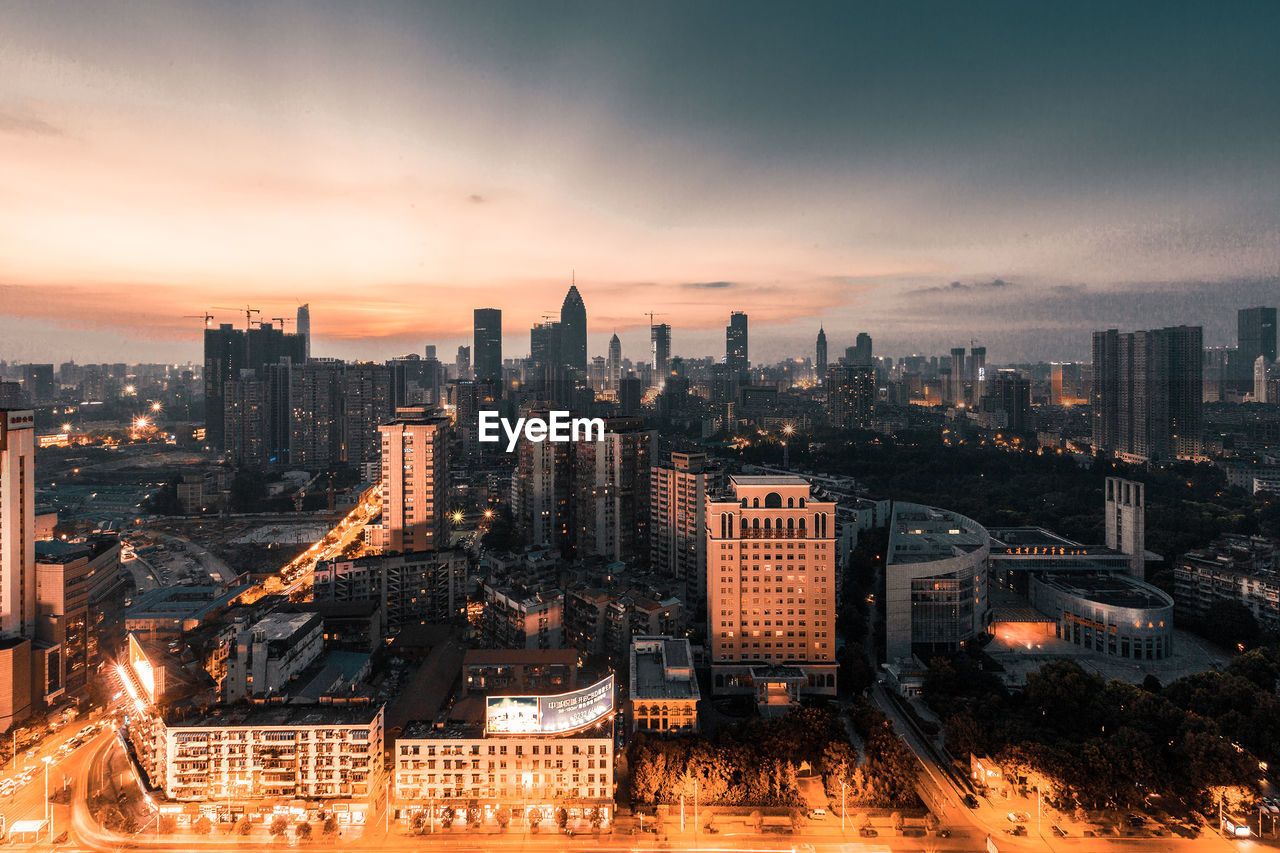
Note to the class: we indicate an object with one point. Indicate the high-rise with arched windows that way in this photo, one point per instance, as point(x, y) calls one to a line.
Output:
point(771, 590)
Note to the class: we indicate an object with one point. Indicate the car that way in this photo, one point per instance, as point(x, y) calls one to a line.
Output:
point(1018, 817)
point(818, 814)
point(1019, 830)
point(1135, 820)
point(971, 801)
point(1058, 831)
point(868, 832)
point(944, 833)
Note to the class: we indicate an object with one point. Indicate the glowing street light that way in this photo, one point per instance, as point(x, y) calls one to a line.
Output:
point(141, 423)
point(155, 407)
point(66, 427)
point(457, 516)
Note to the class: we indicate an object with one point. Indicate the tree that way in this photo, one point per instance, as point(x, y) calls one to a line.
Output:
point(708, 820)
point(561, 817)
point(930, 822)
point(243, 827)
point(535, 818)
point(279, 826)
point(447, 814)
point(420, 821)
point(165, 825)
point(303, 831)
point(797, 821)
point(896, 820)
point(203, 826)
point(756, 820)
point(503, 817)
point(595, 817)
point(473, 816)
point(330, 827)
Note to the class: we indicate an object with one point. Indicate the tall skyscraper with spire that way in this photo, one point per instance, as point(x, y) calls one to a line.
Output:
point(303, 327)
point(822, 353)
point(613, 365)
point(573, 329)
point(660, 336)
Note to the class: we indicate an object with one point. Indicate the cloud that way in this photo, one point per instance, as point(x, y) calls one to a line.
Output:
point(711, 285)
point(27, 125)
point(961, 287)
point(476, 198)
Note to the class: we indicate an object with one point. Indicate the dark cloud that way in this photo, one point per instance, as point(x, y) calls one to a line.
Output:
point(476, 198)
point(961, 287)
point(27, 125)
point(711, 285)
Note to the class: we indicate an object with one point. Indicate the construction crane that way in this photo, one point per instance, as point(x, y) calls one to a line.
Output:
point(282, 321)
point(652, 314)
point(208, 318)
point(248, 312)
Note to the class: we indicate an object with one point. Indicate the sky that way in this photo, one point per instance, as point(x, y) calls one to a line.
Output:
point(931, 173)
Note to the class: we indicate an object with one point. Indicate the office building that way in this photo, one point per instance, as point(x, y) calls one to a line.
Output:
point(860, 355)
point(956, 394)
point(418, 587)
point(1147, 394)
point(462, 364)
point(38, 382)
point(486, 357)
point(1009, 396)
point(660, 337)
point(573, 325)
point(368, 398)
point(977, 374)
point(935, 582)
point(735, 344)
point(851, 396)
point(664, 691)
point(17, 522)
point(1256, 336)
point(415, 482)
point(1066, 384)
point(771, 590)
point(820, 362)
point(677, 520)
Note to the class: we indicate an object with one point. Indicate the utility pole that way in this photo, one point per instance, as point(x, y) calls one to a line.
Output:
point(843, 786)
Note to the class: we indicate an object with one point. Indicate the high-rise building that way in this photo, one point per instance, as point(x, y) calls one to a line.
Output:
point(1126, 522)
point(1010, 393)
point(678, 493)
point(613, 365)
point(546, 359)
point(462, 364)
point(977, 374)
point(368, 401)
point(487, 355)
point(771, 590)
point(735, 343)
point(224, 358)
point(660, 336)
point(821, 361)
point(315, 414)
point(17, 562)
point(542, 491)
point(573, 330)
point(303, 328)
point(1256, 336)
point(415, 482)
point(955, 392)
point(37, 381)
point(611, 492)
point(1066, 384)
point(244, 420)
point(862, 353)
point(1147, 393)
point(851, 396)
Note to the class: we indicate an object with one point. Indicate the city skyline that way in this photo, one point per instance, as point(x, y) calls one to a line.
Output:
point(1079, 173)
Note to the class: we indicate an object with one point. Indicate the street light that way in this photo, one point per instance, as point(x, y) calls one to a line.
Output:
point(48, 814)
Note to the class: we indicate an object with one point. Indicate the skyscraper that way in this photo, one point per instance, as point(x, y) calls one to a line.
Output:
point(1147, 393)
point(862, 350)
point(303, 328)
point(977, 374)
point(735, 343)
point(660, 336)
point(1010, 393)
point(851, 396)
point(955, 393)
point(821, 362)
point(486, 357)
point(771, 589)
point(611, 492)
point(1256, 335)
point(315, 414)
point(368, 401)
point(415, 482)
point(462, 364)
point(573, 330)
point(224, 358)
point(613, 365)
point(678, 493)
point(17, 561)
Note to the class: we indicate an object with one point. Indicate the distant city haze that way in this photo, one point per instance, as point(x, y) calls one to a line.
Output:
point(918, 171)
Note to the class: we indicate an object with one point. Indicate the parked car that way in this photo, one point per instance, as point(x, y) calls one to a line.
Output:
point(944, 833)
point(1018, 817)
point(868, 832)
point(971, 801)
point(1058, 831)
point(818, 814)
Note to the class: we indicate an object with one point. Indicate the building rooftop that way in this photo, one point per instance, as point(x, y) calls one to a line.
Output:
point(282, 626)
point(769, 480)
point(182, 602)
point(242, 714)
point(1028, 537)
point(57, 551)
point(1112, 590)
point(920, 534)
point(520, 657)
point(662, 668)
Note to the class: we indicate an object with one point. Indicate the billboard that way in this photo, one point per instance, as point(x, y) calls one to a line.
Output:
point(564, 712)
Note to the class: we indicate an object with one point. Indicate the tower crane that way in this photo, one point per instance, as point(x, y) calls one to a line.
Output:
point(208, 318)
point(248, 312)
